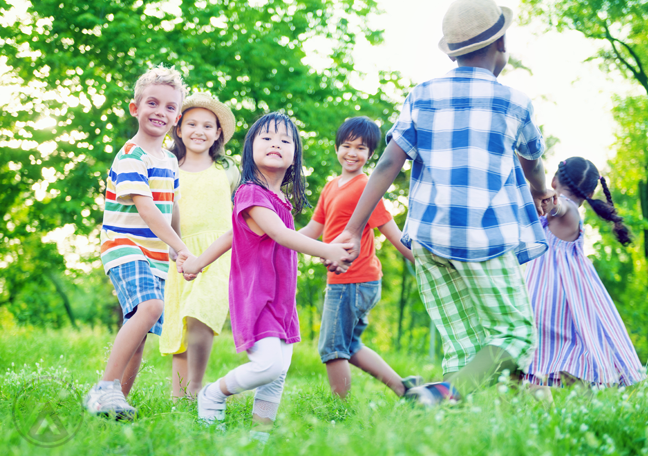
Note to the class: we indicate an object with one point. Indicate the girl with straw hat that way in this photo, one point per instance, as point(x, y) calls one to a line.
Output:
point(196, 311)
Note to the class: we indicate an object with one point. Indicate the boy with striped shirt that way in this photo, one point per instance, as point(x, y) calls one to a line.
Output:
point(141, 220)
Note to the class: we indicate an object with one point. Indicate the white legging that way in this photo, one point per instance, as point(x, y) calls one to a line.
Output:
point(269, 362)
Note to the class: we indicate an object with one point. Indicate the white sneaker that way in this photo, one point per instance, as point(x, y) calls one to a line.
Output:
point(210, 410)
point(109, 402)
point(260, 437)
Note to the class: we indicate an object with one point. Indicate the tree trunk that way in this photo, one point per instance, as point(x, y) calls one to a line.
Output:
point(643, 198)
point(63, 295)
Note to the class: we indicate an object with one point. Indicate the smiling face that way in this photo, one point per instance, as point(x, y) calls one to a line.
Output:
point(273, 150)
point(352, 155)
point(198, 130)
point(158, 110)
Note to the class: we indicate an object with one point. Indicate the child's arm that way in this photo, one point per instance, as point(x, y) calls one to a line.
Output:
point(313, 230)
point(214, 251)
point(156, 222)
point(175, 224)
point(262, 221)
point(382, 177)
point(393, 234)
point(535, 174)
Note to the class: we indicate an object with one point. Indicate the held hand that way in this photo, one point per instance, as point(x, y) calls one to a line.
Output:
point(191, 266)
point(189, 277)
point(540, 196)
point(352, 247)
point(173, 255)
point(181, 257)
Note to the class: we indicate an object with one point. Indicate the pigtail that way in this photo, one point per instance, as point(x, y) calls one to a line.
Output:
point(608, 212)
point(605, 210)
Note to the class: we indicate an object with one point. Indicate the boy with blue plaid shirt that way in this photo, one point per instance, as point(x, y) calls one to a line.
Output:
point(472, 220)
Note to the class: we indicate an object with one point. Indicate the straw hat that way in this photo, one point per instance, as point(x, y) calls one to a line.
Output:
point(223, 113)
point(469, 25)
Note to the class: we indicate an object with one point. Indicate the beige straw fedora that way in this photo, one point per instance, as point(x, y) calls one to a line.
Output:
point(469, 25)
point(223, 113)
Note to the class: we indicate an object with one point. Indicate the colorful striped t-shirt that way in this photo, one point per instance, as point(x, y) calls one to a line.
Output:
point(125, 237)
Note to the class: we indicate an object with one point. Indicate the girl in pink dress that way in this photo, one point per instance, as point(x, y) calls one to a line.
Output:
point(581, 336)
point(263, 278)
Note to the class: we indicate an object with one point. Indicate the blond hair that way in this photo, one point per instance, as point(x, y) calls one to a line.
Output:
point(160, 75)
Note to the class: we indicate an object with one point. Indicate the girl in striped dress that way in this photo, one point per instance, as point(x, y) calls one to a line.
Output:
point(581, 336)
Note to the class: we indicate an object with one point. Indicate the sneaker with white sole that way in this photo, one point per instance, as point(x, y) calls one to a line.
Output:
point(109, 402)
point(432, 394)
point(210, 410)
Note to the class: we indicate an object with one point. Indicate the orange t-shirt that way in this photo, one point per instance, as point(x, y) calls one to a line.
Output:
point(334, 209)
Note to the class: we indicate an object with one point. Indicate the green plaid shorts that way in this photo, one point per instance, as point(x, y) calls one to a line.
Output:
point(473, 304)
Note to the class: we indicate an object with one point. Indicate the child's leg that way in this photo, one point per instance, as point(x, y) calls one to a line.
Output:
point(200, 339)
point(266, 365)
point(502, 304)
point(344, 319)
point(130, 337)
point(339, 376)
point(371, 362)
point(132, 369)
point(180, 374)
point(267, 397)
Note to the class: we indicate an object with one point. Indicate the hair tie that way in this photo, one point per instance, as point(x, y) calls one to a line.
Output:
point(601, 178)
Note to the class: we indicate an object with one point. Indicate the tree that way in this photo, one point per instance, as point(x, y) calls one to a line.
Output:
point(73, 66)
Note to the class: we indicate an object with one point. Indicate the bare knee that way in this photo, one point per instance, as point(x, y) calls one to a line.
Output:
point(140, 349)
point(151, 309)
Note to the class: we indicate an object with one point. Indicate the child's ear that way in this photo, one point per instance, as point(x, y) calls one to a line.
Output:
point(554, 182)
point(178, 130)
point(177, 119)
point(132, 108)
point(501, 44)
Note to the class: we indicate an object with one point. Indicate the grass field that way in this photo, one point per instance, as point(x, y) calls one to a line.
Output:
point(496, 421)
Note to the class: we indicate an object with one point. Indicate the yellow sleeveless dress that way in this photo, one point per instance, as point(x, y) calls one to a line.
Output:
point(205, 214)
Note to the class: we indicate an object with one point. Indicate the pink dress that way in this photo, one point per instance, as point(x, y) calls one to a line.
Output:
point(263, 277)
point(579, 328)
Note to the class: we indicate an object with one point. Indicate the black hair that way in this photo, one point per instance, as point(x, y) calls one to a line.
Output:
point(477, 53)
point(359, 127)
point(216, 151)
point(582, 177)
point(293, 180)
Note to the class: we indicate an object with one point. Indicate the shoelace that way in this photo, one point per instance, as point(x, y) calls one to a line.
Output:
point(115, 396)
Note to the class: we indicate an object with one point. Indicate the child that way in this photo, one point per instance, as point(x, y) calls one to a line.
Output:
point(471, 217)
point(195, 311)
point(141, 205)
point(581, 335)
point(263, 280)
point(350, 297)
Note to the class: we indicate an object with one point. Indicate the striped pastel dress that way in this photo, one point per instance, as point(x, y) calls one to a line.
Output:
point(579, 328)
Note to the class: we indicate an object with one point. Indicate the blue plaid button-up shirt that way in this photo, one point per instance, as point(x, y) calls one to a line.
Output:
point(468, 197)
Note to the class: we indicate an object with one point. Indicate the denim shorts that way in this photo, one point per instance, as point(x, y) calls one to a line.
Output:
point(135, 283)
point(344, 318)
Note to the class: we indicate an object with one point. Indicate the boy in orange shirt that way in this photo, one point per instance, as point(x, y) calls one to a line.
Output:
point(350, 296)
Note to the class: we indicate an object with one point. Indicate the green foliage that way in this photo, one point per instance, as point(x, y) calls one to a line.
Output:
point(497, 420)
point(73, 65)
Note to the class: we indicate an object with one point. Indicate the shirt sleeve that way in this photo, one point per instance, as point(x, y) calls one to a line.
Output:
point(379, 216)
point(176, 183)
point(530, 143)
point(319, 215)
point(404, 130)
point(250, 195)
point(130, 177)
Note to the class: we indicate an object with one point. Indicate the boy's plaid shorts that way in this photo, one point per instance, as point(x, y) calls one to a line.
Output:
point(473, 304)
point(135, 283)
